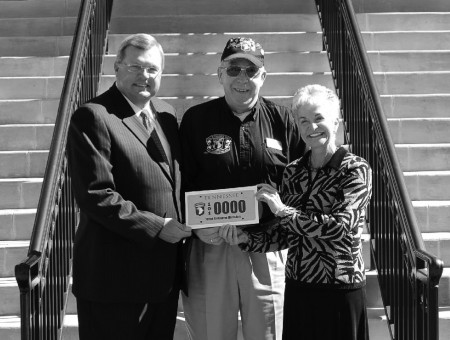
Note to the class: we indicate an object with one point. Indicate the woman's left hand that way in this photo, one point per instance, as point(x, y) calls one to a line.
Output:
point(232, 235)
point(269, 195)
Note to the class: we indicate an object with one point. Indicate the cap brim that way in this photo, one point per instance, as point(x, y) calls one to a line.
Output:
point(258, 62)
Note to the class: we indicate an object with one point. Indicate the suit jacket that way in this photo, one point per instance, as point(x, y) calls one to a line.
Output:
point(124, 188)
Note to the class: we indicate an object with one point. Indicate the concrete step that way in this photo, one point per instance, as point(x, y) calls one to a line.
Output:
point(397, 41)
point(32, 27)
point(39, 111)
point(416, 105)
point(208, 85)
point(19, 193)
point(19, 137)
point(201, 63)
point(428, 185)
point(276, 84)
point(433, 216)
point(16, 164)
point(35, 46)
point(207, 23)
point(163, 7)
point(28, 111)
point(412, 157)
point(424, 157)
point(33, 66)
point(198, 63)
point(406, 21)
point(409, 61)
point(16, 224)
point(11, 253)
point(31, 87)
point(183, 43)
point(381, 6)
point(16, 137)
point(41, 8)
point(413, 82)
point(419, 130)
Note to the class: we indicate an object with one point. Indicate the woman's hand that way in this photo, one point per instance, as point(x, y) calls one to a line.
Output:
point(269, 195)
point(233, 235)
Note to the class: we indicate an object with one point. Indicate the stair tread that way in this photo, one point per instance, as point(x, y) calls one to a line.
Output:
point(28, 180)
point(14, 244)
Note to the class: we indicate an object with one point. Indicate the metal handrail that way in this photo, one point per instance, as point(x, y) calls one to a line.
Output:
point(408, 275)
point(44, 276)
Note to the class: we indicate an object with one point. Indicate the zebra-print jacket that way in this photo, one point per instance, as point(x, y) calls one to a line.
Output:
point(324, 222)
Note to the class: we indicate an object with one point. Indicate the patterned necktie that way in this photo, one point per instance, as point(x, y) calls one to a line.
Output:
point(145, 119)
point(150, 124)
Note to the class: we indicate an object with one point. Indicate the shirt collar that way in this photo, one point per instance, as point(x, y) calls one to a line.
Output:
point(137, 110)
point(334, 162)
point(253, 111)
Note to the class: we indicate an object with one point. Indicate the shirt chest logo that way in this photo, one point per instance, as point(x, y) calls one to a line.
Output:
point(218, 144)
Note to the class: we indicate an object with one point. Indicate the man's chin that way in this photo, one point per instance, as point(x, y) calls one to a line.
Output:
point(145, 94)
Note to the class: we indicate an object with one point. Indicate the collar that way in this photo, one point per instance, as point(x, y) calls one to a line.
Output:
point(137, 110)
point(252, 112)
point(334, 162)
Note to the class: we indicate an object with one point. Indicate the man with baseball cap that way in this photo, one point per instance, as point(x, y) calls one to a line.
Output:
point(238, 140)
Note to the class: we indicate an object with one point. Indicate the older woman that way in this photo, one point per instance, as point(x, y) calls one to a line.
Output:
point(321, 210)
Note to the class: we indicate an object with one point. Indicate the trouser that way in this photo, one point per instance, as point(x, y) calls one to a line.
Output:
point(122, 320)
point(223, 281)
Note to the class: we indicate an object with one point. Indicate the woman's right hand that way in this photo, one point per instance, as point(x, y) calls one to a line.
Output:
point(269, 195)
point(233, 235)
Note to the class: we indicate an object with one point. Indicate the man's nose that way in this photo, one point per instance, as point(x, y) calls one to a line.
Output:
point(242, 76)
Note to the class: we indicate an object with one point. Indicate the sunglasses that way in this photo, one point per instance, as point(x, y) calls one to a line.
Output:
point(234, 71)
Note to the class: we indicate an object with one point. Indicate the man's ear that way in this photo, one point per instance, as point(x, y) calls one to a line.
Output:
point(264, 75)
point(219, 74)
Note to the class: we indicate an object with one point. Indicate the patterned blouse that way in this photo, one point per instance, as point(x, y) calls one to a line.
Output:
point(323, 223)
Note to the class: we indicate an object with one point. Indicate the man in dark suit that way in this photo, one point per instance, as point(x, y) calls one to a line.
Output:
point(123, 154)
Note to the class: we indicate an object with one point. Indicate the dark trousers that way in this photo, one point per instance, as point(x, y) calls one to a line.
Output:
point(127, 321)
point(323, 314)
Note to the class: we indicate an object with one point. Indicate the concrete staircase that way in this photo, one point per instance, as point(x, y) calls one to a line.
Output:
point(409, 61)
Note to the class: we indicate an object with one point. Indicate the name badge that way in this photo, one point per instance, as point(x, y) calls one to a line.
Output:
point(212, 208)
point(274, 144)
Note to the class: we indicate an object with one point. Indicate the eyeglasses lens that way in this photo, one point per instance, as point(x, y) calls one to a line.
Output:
point(138, 69)
point(234, 71)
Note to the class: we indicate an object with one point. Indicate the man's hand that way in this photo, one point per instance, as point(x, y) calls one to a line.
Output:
point(209, 235)
point(173, 231)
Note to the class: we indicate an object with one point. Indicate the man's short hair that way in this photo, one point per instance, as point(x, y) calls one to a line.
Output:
point(141, 41)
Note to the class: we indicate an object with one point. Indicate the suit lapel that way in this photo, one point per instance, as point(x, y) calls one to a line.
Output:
point(150, 141)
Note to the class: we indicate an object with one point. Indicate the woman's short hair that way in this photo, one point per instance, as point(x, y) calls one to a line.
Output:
point(316, 94)
point(141, 41)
